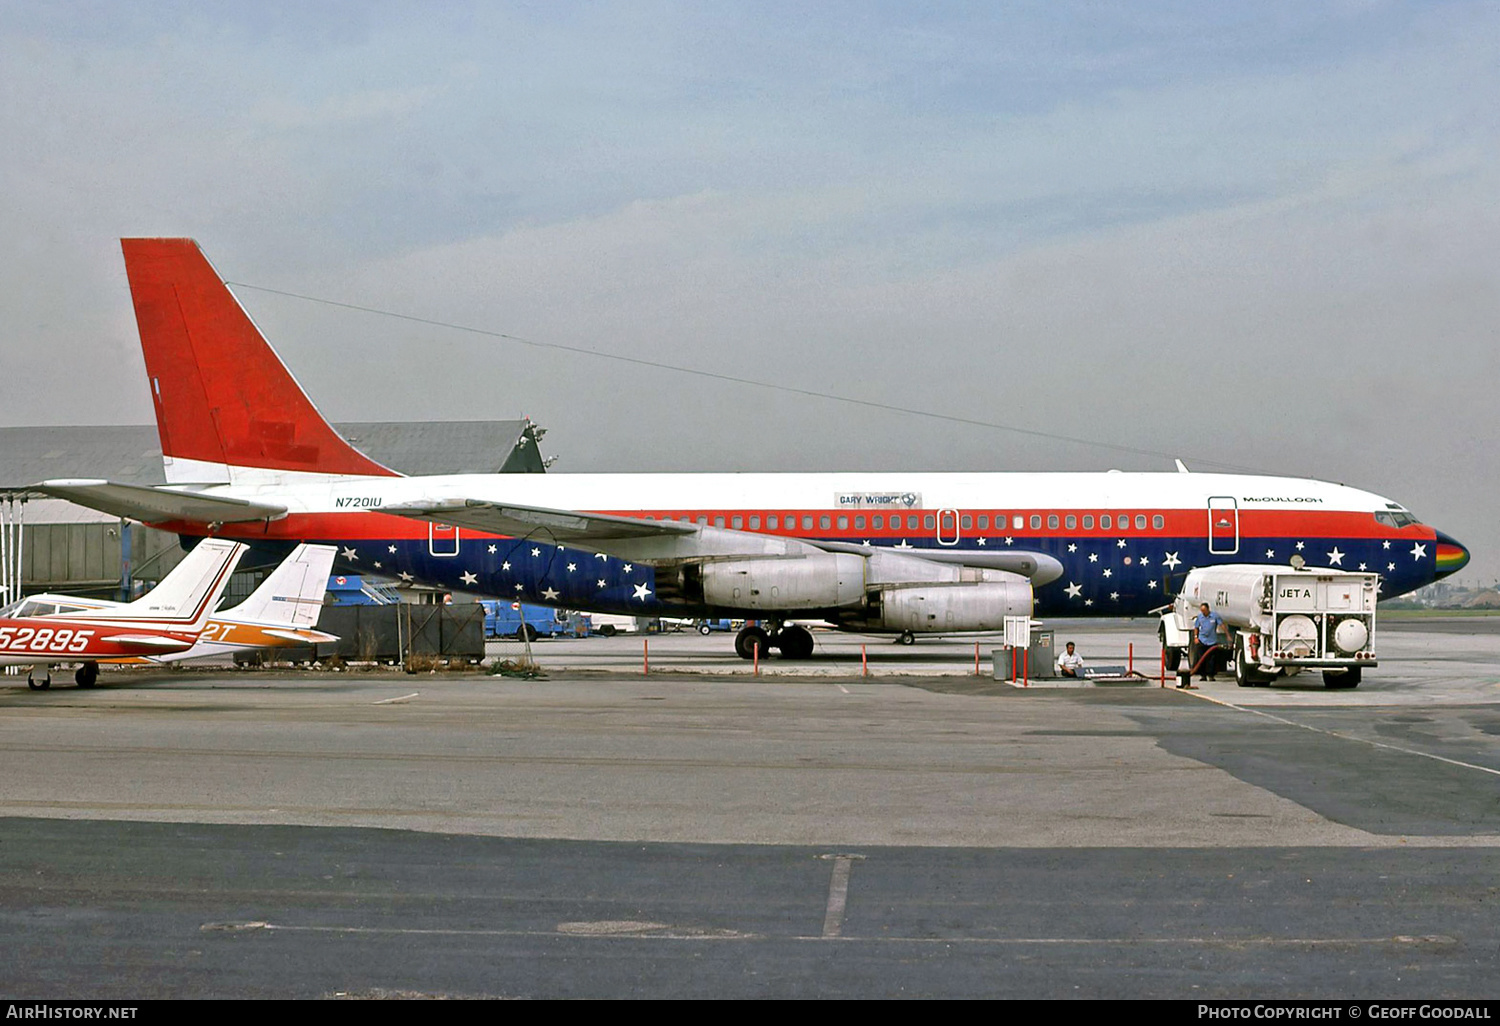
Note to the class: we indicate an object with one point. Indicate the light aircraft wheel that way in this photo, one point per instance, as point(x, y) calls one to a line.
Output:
point(748, 639)
point(906, 638)
point(795, 642)
point(87, 674)
point(39, 685)
point(1335, 681)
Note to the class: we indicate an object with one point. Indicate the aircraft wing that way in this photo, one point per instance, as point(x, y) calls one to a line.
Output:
point(148, 504)
point(525, 521)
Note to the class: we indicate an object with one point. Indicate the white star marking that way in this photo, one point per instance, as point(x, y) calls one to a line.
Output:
point(1390, 566)
point(549, 595)
point(391, 549)
point(866, 543)
point(377, 564)
point(559, 548)
point(1093, 557)
point(518, 587)
point(1088, 602)
point(1151, 585)
point(600, 582)
point(1108, 572)
point(1171, 560)
point(536, 552)
point(1300, 546)
point(1114, 596)
point(903, 545)
point(1072, 548)
point(1418, 551)
point(601, 555)
point(1361, 566)
point(493, 549)
point(983, 541)
point(1336, 557)
point(1120, 544)
point(1145, 560)
point(572, 567)
point(1270, 553)
point(641, 591)
point(1009, 541)
point(405, 577)
point(1385, 545)
point(1073, 589)
point(628, 568)
point(505, 565)
point(468, 577)
point(349, 555)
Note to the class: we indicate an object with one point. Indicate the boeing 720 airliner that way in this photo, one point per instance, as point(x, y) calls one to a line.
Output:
point(247, 456)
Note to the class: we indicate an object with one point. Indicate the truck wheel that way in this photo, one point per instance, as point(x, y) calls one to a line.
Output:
point(1242, 671)
point(705, 630)
point(526, 633)
point(1342, 680)
point(608, 630)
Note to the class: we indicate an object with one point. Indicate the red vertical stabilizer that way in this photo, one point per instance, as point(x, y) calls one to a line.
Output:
point(222, 395)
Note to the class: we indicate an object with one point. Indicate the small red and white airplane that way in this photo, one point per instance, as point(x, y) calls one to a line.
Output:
point(169, 619)
point(248, 456)
point(282, 612)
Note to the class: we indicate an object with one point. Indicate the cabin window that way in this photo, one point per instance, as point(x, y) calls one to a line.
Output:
point(878, 522)
point(1071, 522)
point(737, 523)
point(1088, 522)
point(703, 520)
point(859, 523)
point(929, 521)
point(824, 521)
point(1158, 522)
point(1140, 521)
point(1036, 522)
point(1105, 522)
point(913, 522)
point(999, 521)
point(966, 522)
point(772, 522)
point(1052, 522)
point(755, 523)
point(718, 521)
point(807, 522)
point(843, 523)
point(984, 521)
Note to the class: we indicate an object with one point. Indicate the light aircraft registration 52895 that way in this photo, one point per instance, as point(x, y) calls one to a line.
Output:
point(248, 457)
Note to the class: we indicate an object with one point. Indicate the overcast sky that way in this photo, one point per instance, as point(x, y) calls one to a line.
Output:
point(1261, 234)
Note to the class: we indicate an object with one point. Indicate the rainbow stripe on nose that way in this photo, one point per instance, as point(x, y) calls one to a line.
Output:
point(1451, 556)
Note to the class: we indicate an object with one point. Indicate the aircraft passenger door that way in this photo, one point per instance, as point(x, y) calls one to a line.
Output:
point(1223, 525)
point(442, 539)
point(947, 527)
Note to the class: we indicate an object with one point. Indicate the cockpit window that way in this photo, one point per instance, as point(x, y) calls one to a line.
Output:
point(1395, 518)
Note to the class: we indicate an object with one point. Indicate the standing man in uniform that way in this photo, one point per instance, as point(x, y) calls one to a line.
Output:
point(1206, 627)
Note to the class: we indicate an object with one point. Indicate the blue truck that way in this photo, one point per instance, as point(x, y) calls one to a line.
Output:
point(504, 620)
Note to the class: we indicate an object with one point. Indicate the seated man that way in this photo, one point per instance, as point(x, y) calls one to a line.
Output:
point(1070, 663)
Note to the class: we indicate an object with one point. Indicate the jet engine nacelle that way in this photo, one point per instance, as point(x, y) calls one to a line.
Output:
point(964, 607)
point(832, 580)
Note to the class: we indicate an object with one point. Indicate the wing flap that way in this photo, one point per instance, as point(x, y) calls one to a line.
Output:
point(148, 504)
point(525, 521)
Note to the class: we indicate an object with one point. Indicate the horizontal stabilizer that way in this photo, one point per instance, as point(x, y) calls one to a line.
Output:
point(150, 640)
point(528, 521)
point(306, 636)
point(155, 505)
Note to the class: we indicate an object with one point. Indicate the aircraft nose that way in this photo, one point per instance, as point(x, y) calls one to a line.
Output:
point(1451, 556)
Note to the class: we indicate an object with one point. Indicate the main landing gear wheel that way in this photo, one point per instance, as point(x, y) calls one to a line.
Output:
point(795, 642)
point(748, 640)
point(906, 638)
point(42, 685)
point(87, 674)
point(1341, 681)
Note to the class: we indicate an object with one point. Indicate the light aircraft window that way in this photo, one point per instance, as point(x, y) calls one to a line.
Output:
point(773, 522)
point(1071, 522)
point(1052, 522)
point(929, 522)
point(859, 523)
point(984, 522)
point(718, 521)
point(1105, 522)
point(1140, 521)
point(737, 523)
point(1088, 523)
point(966, 522)
point(1036, 522)
point(878, 522)
point(1158, 522)
point(912, 522)
point(843, 523)
point(755, 523)
point(823, 521)
point(807, 522)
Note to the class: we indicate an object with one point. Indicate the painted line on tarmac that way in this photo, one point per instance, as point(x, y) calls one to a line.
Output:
point(1195, 693)
point(397, 701)
point(838, 894)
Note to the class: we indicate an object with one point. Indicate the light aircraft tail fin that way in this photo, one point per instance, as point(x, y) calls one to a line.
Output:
point(292, 594)
point(187, 596)
point(226, 406)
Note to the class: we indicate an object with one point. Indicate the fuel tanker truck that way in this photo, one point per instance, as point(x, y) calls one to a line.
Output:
point(1280, 621)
